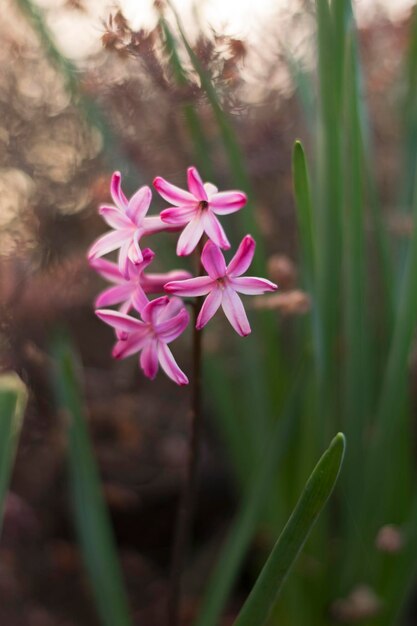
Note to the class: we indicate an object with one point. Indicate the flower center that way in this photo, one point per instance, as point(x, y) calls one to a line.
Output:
point(203, 205)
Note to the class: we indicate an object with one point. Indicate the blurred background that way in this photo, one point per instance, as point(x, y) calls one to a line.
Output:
point(88, 87)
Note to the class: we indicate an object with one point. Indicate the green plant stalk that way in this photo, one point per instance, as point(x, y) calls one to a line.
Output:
point(357, 331)
point(232, 148)
point(410, 120)
point(320, 485)
point(263, 394)
point(244, 526)
point(329, 226)
point(13, 400)
point(195, 128)
point(90, 513)
point(390, 422)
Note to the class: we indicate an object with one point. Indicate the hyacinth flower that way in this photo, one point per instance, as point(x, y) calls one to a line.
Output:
point(129, 224)
point(196, 210)
point(163, 320)
point(131, 291)
point(222, 285)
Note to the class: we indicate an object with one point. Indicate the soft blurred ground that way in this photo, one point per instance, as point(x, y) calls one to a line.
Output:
point(54, 171)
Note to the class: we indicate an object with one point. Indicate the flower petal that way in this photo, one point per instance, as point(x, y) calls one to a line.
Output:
point(169, 365)
point(124, 308)
point(210, 189)
point(107, 243)
point(251, 286)
point(139, 299)
point(113, 295)
point(136, 269)
point(242, 258)
point(199, 286)
point(120, 321)
point(107, 269)
point(178, 215)
point(170, 329)
point(115, 218)
point(128, 346)
point(135, 253)
point(150, 312)
point(190, 236)
point(235, 312)
point(226, 202)
point(195, 184)
point(172, 193)
point(154, 224)
point(117, 194)
point(123, 259)
point(174, 306)
point(139, 204)
point(215, 231)
point(154, 283)
point(209, 308)
point(149, 359)
point(213, 261)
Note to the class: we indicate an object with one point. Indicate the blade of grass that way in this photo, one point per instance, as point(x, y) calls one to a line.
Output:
point(320, 485)
point(264, 394)
point(13, 400)
point(389, 424)
point(90, 513)
point(410, 118)
point(357, 359)
point(192, 118)
point(243, 528)
point(403, 572)
point(303, 203)
point(329, 229)
point(231, 145)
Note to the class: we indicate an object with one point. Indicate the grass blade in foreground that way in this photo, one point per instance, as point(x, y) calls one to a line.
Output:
point(303, 203)
point(13, 398)
point(320, 485)
point(91, 517)
point(243, 529)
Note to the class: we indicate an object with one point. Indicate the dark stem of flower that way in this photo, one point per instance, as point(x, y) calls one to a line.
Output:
point(189, 489)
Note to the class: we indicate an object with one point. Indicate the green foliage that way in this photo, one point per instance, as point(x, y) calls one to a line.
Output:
point(320, 485)
point(90, 513)
point(358, 339)
point(13, 399)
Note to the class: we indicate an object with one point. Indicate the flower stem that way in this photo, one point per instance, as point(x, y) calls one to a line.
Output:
point(189, 489)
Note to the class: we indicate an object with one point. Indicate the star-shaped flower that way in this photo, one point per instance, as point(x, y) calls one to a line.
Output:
point(130, 292)
point(196, 209)
point(163, 320)
point(129, 223)
point(223, 284)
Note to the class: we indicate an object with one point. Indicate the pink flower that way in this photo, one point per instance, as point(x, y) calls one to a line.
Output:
point(129, 224)
point(222, 285)
point(163, 320)
point(131, 291)
point(196, 209)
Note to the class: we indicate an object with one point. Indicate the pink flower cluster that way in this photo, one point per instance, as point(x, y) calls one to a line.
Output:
point(161, 320)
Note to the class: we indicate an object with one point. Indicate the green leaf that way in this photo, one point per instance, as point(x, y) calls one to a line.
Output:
point(303, 203)
point(320, 485)
point(13, 399)
point(244, 526)
point(91, 515)
point(192, 118)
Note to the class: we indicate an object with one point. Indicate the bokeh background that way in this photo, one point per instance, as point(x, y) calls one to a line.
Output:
point(87, 87)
